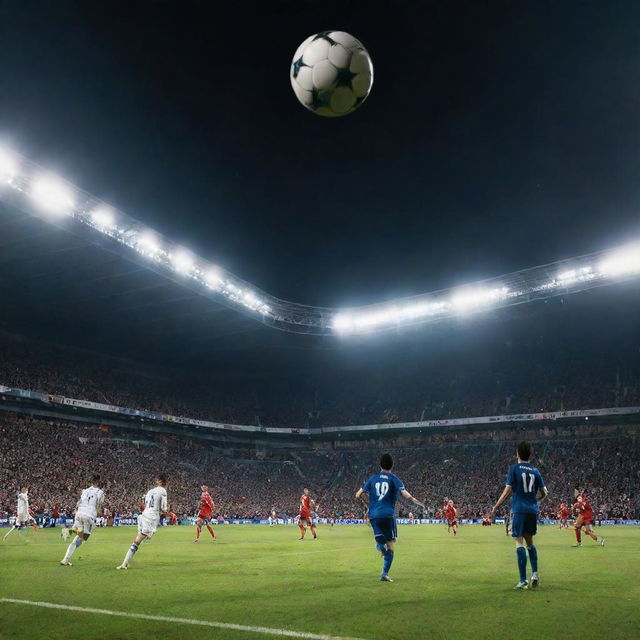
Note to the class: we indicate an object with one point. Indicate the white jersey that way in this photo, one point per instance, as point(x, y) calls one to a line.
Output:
point(23, 505)
point(155, 502)
point(90, 501)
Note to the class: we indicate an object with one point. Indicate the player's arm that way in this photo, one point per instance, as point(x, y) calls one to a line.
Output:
point(505, 494)
point(405, 494)
point(163, 504)
point(542, 493)
point(100, 504)
point(359, 493)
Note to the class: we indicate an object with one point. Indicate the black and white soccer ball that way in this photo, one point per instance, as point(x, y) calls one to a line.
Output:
point(331, 73)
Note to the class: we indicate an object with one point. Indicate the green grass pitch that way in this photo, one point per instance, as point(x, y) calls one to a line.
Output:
point(264, 577)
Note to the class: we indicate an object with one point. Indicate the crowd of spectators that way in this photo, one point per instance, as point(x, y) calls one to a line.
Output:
point(506, 382)
point(57, 459)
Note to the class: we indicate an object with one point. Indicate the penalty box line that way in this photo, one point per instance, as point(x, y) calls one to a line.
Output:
point(200, 623)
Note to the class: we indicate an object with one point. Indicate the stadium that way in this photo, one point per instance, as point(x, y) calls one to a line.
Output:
point(349, 355)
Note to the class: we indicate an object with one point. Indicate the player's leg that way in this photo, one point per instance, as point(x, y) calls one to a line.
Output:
point(303, 529)
point(132, 551)
point(533, 559)
point(13, 528)
point(210, 530)
point(455, 528)
point(518, 532)
point(198, 529)
point(313, 529)
point(578, 528)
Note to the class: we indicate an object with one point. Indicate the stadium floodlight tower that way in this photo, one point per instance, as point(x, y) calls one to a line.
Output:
point(28, 187)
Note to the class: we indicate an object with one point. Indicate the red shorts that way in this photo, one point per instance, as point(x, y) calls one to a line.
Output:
point(450, 523)
point(205, 517)
point(305, 516)
point(584, 519)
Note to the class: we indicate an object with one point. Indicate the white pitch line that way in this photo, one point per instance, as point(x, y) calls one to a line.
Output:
point(200, 623)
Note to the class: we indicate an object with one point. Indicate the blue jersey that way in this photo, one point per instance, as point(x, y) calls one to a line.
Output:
point(524, 480)
point(384, 489)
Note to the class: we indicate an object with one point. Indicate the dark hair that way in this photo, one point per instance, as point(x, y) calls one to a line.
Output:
point(386, 462)
point(95, 480)
point(524, 450)
point(162, 479)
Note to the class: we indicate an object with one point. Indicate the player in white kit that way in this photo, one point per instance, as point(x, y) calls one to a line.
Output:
point(23, 517)
point(155, 503)
point(87, 509)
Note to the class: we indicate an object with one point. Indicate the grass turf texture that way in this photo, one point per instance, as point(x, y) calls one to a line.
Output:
point(264, 577)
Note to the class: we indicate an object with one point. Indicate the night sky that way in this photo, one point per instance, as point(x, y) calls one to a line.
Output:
point(498, 135)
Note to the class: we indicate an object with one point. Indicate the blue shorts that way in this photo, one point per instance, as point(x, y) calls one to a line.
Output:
point(384, 529)
point(524, 524)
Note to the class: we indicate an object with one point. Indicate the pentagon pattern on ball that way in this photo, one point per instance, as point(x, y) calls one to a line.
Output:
point(331, 73)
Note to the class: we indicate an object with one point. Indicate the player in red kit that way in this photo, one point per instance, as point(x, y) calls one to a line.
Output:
point(451, 514)
point(563, 515)
point(585, 518)
point(305, 515)
point(205, 514)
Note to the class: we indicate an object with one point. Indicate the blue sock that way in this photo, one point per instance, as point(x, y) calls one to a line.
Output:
point(388, 559)
point(533, 558)
point(522, 563)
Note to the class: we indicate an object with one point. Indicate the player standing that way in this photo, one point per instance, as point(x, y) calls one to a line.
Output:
point(305, 515)
point(155, 503)
point(563, 515)
point(87, 509)
point(205, 514)
point(384, 488)
point(451, 514)
point(524, 481)
point(23, 514)
point(585, 519)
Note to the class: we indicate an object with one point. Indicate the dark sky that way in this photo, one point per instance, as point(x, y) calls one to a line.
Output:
point(498, 135)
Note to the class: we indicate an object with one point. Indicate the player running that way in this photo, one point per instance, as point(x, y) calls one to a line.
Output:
point(23, 513)
point(155, 503)
point(306, 519)
point(383, 489)
point(585, 519)
point(524, 482)
point(87, 509)
point(451, 514)
point(563, 515)
point(205, 514)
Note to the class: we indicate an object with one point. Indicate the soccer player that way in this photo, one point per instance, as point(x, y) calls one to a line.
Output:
point(205, 514)
point(87, 509)
point(585, 519)
point(155, 503)
point(524, 483)
point(305, 515)
point(23, 515)
point(563, 515)
point(384, 488)
point(451, 514)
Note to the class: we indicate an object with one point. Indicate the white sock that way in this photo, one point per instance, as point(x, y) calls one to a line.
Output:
point(6, 535)
point(76, 542)
point(132, 550)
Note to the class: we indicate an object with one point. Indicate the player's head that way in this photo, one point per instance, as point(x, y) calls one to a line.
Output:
point(580, 497)
point(524, 451)
point(305, 491)
point(451, 502)
point(24, 489)
point(95, 480)
point(204, 488)
point(386, 462)
point(162, 479)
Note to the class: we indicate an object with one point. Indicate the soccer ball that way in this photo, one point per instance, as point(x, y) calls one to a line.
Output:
point(331, 73)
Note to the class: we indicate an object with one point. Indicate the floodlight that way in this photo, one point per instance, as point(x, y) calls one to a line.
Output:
point(182, 261)
point(52, 195)
point(103, 218)
point(8, 166)
point(472, 298)
point(621, 263)
point(148, 243)
point(213, 278)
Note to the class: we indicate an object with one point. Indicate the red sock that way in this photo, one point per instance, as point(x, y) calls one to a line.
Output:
point(591, 534)
point(303, 530)
point(313, 529)
point(213, 535)
point(199, 530)
point(578, 536)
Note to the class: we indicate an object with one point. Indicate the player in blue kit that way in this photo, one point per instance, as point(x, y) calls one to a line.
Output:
point(384, 488)
point(525, 484)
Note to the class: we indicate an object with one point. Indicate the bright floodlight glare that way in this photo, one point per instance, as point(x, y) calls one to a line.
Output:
point(52, 195)
point(103, 218)
point(182, 261)
point(148, 243)
point(623, 262)
point(8, 165)
point(469, 300)
point(213, 278)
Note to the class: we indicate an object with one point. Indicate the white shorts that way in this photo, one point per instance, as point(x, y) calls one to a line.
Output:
point(83, 523)
point(22, 520)
point(147, 526)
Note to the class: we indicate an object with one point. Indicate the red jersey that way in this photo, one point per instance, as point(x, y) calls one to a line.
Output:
point(450, 512)
point(206, 505)
point(584, 508)
point(305, 505)
point(564, 513)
